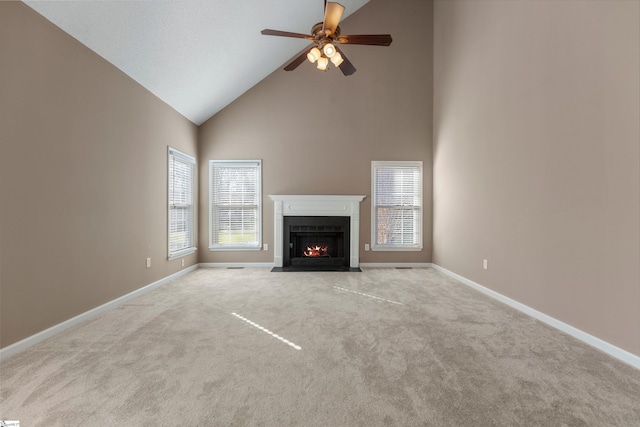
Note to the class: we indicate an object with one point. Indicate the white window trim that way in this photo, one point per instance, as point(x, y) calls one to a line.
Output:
point(399, 248)
point(194, 232)
point(244, 247)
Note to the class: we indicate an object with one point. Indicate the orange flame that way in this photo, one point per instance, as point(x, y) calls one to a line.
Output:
point(316, 251)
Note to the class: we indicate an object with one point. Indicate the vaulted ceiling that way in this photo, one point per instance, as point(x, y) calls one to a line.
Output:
point(196, 55)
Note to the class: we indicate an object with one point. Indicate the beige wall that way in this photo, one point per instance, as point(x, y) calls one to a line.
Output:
point(82, 177)
point(382, 112)
point(537, 156)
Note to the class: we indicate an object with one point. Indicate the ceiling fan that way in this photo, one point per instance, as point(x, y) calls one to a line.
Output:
point(325, 36)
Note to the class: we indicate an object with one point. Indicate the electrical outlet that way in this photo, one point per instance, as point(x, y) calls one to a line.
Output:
point(265, 247)
point(148, 262)
point(366, 247)
point(182, 263)
point(485, 264)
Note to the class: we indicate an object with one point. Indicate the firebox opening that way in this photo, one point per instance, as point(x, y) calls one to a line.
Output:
point(316, 243)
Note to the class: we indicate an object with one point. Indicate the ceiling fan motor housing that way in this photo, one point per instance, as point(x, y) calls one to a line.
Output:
point(320, 35)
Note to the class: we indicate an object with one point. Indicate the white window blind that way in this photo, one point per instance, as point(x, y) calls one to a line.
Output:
point(235, 204)
point(396, 205)
point(182, 222)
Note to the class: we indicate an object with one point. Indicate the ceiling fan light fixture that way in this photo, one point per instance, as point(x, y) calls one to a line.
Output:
point(329, 50)
point(313, 55)
point(324, 36)
point(337, 59)
point(323, 63)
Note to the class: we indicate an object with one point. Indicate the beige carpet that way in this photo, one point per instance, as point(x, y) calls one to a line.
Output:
point(382, 347)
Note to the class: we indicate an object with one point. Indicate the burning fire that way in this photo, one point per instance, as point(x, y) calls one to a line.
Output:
point(316, 250)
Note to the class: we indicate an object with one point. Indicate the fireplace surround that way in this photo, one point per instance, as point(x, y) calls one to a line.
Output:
point(314, 212)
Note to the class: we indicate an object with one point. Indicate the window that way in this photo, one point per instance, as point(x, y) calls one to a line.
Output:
point(235, 205)
point(396, 208)
point(182, 213)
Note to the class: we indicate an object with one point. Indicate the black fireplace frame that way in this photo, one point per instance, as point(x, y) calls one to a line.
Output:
point(297, 227)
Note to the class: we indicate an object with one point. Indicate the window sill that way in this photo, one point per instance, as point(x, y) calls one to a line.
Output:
point(396, 248)
point(234, 248)
point(181, 253)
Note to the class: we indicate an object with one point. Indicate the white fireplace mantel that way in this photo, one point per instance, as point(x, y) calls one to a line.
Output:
point(316, 205)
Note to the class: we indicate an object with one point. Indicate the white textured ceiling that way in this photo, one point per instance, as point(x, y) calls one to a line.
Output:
point(195, 55)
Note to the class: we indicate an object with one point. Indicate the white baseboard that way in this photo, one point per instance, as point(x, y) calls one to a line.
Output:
point(20, 346)
point(395, 264)
point(236, 265)
point(612, 350)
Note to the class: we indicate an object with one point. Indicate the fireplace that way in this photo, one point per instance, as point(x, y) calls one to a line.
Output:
point(316, 243)
point(332, 221)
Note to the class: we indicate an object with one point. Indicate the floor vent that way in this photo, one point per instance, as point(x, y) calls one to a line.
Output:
point(404, 268)
point(235, 268)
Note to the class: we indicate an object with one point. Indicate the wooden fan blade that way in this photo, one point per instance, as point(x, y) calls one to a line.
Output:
point(296, 62)
point(267, 32)
point(367, 39)
point(346, 67)
point(332, 15)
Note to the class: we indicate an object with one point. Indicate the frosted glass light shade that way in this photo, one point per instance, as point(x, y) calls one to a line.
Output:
point(337, 59)
point(329, 50)
point(323, 63)
point(313, 55)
